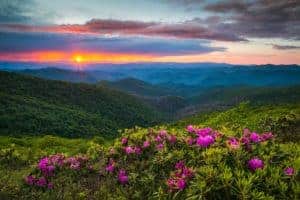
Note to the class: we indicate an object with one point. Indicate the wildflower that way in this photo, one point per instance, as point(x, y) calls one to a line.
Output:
point(158, 139)
point(146, 144)
point(289, 171)
point(163, 133)
point(233, 143)
point(172, 183)
point(124, 141)
point(74, 163)
point(172, 139)
point(30, 180)
point(111, 166)
point(122, 177)
point(50, 185)
point(57, 159)
point(205, 141)
point(255, 163)
point(160, 146)
point(203, 132)
point(179, 179)
point(179, 165)
point(138, 150)
point(41, 182)
point(129, 150)
point(181, 184)
point(190, 128)
point(254, 137)
point(43, 164)
point(266, 136)
point(187, 172)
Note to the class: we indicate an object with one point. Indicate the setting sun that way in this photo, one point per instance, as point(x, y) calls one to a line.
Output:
point(78, 59)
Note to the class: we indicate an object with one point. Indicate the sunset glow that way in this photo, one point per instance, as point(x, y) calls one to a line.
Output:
point(83, 57)
point(243, 32)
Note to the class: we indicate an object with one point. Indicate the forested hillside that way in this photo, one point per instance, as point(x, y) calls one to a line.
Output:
point(35, 106)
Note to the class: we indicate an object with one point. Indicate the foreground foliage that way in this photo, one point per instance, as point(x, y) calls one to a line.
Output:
point(191, 163)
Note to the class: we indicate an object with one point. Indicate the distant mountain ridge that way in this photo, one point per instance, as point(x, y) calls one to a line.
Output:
point(183, 80)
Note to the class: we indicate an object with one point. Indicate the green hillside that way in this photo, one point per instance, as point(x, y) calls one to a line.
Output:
point(218, 171)
point(282, 119)
point(31, 105)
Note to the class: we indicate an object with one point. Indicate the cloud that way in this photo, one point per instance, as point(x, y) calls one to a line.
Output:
point(285, 47)
point(185, 30)
point(15, 11)
point(259, 18)
point(227, 6)
point(30, 42)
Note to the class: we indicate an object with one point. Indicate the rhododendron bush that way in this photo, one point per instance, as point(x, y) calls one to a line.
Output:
point(192, 163)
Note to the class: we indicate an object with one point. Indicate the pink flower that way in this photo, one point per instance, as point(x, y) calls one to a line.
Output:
point(41, 182)
point(122, 177)
point(111, 166)
point(179, 164)
point(254, 137)
point(74, 163)
point(146, 144)
point(158, 139)
point(57, 159)
point(255, 163)
point(203, 132)
point(124, 141)
point(266, 136)
point(205, 141)
point(30, 180)
point(289, 171)
point(163, 133)
point(50, 185)
point(233, 143)
point(187, 172)
point(179, 179)
point(160, 146)
point(138, 150)
point(181, 184)
point(190, 128)
point(172, 139)
point(129, 150)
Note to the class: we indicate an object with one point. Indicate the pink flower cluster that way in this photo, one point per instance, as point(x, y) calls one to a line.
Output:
point(122, 177)
point(255, 163)
point(133, 150)
point(48, 165)
point(180, 177)
point(248, 139)
point(76, 162)
point(205, 137)
point(162, 137)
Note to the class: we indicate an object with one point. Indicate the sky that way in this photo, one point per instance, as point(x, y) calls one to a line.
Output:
point(125, 31)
